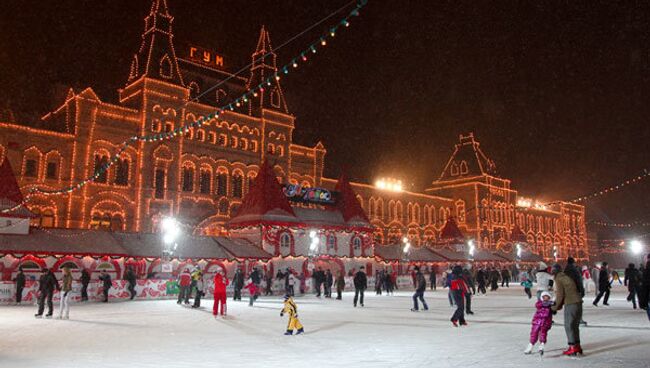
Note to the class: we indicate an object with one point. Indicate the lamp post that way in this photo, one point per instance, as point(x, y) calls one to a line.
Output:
point(471, 249)
point(170, 231)
point(637, 248)
point(555, 252)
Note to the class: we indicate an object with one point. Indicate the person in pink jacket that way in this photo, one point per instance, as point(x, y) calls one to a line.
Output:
point(220, 283)
point(542, 322)
point(252, 290)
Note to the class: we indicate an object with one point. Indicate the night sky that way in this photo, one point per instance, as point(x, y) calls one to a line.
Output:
point(557, 92)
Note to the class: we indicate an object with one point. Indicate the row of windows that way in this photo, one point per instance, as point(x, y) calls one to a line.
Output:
point(31, 169)
point(395, 212)
point(205, 183)
point(121, 170)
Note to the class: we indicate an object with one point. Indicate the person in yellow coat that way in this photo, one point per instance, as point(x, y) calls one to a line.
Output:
point(291, 309)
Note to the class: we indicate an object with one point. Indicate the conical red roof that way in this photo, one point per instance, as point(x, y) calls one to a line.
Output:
point(9, 190)
point(264, 202)
point(347, 202)
point(451, 231)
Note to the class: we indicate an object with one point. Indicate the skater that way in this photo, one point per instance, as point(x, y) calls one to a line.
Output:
point(20, 284)
point(419, 290)
point(46, 285)
point(66, 290)
point(432, 278)
point(107, 283)
point(480, 280)
point(586, 278)
point(291, 309)
point(567, 296)
point(543, 280)
point(291, 280)
point(130, 277)
point(220, 283)
point(269, 285)
point(645, 288)
point(340, 285)
point(256, 278)
point(388, 285)
point(319, 279)
point(527, 284)
point(572, 271)
point(360, 285)
point(252, 290)
point(505, 277)
point(603, 285)
point(494, 279)
point(85, 280)
point(197, 276)
point(378, 282)
point(238, 284)
point(458, 289)
point(184, 282)
point(448, 278)
point(542, 322)
point(329, 281)
point(469, 281)
point(632, 280)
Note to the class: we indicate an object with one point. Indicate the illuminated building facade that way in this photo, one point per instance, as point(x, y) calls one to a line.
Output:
point(202, 177)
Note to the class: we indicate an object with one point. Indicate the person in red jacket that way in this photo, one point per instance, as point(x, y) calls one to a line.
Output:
point(184, 282)
point(220, 283)
point(458, 289)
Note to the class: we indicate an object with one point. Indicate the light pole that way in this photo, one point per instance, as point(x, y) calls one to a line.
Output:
point(555, 253)
point(637, 248)
point(471, 249)
point(170, 231)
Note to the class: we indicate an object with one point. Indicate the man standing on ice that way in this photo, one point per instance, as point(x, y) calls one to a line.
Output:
point(130, 278)
point(85, 280)
point(46, 285)
point(184, 282)
point(421, 283)
point(603, 285)
point(107, 283)
point(568, 296)
point(220, 283)
point(360, 285)
point(20, 284)
point(256, 278)
point(237, 284)
point(66, 290)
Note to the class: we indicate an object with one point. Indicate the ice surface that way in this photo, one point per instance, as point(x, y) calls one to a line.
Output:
point(385, 333)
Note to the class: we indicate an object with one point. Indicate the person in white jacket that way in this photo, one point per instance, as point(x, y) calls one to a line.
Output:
point(543, 279)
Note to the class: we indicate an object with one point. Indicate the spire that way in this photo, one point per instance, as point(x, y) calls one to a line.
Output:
point(347, 201)
point(265, 202)
point(264, 66)
point(156, 57)
point(467, 160)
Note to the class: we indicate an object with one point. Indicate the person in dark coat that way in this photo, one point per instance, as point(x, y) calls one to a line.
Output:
point(480, 280)
point(421, 286)
point(256, 278)
point(329, 281)
point(432, 278)
point(632, 281)
point(340, 285)
point(237, 284)
point(469, 281)
point(505, 277)
point(106, 283)
point(319, 280)
point(130, 277)
point(494, 279)
point(46, 285)
point(20, 284)
point(85, 280)
point(603, 285)
point(645, 287)
point(360, 285)
point(574, 273)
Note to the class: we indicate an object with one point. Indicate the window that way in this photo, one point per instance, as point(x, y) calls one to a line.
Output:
point(285, 241)
point(237, 182)
point(169, 126)
point(159, 184)
point(205, 182)
point(223, 140)
point(122, 172)
point(356, 244)
point(212, 137)
point(331, 243)
point(200, 135)
point(155, 125)
point(47, 218)
point(100, 168)
point(188, 179)
point(251, 179)
point(30, 168)
point(222, 184)
point(50, 171)
point(166, 67)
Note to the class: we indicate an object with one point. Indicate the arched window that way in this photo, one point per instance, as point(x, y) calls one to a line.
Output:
point(166, 67)
point(223, 140)
point(220, 95)
point(222, 184)
point(169, 126)
point(379, 209)
point(101, 170)
point(212, 137)
point(237, 182)
point(52, 170)
point(200, 135)
point(189, 133)
point(356, 244)
point(270, 149)
point(188, 179)
point(122, 172)
point(399, 211)
point(285, 244)
point(156, 126)
point(159, 183)
point(275, 98)
point(331, 244)
point(463, 168)
point(454, 169)
point(44, 218)
point(205, 181)
point(194, 89)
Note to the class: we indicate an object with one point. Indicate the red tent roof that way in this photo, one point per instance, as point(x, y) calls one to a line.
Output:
point(517, 235)
point(9, 189)
point(451, 231)
point(265, 202)
point(347, 202)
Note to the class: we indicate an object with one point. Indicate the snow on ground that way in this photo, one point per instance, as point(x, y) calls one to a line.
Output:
point(385, 333)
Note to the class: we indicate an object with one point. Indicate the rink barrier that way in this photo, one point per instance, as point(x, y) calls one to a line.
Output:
point(150, 289)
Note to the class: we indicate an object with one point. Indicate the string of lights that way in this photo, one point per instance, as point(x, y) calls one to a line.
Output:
point(301, 57)
point(623, 224)
point(636, 179)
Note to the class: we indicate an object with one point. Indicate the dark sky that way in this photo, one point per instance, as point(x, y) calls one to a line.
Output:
point(557, 92)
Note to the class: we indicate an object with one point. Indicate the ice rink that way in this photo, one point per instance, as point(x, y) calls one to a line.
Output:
point(385, 333)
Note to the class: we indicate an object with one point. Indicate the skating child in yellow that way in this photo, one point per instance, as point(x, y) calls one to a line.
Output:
point(291, 309)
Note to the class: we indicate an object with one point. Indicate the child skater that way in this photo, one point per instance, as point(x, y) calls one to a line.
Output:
point(252, 289)
point(527, 284)
point(220, 283)
point(542, 321)
point(292, 310)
